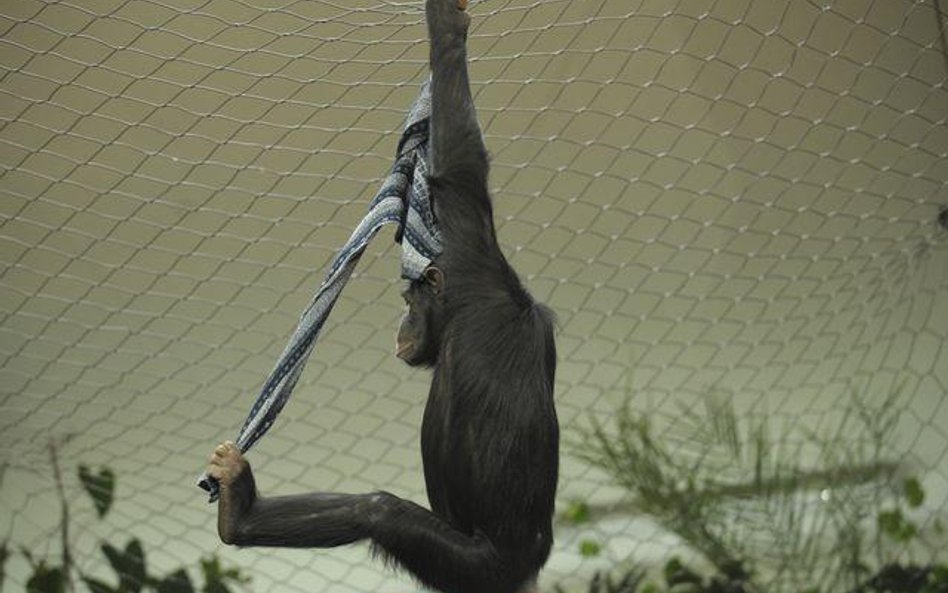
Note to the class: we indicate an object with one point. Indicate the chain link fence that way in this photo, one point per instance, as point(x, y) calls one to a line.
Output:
point(715, 196)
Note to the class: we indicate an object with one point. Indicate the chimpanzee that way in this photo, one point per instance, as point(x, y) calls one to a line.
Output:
point(489, 436)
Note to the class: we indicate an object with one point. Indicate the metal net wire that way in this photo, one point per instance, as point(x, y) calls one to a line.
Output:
point(713, 195)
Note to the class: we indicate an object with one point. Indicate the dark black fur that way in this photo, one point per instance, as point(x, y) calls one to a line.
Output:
point(489, 435)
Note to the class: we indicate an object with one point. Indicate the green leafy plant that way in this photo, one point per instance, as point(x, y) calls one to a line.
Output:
point(100, 487)
point(45, 578)
point(4, 554)
point(216, 577)
point(589, 548)
point(914, 494)
point(577, 512)
point(894, 524)
point(740, 497)
point(128, 562)
point(676, 577)
point(628, 581)
point(666, 486)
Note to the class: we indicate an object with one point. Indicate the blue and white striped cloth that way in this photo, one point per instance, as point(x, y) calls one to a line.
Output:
point(403, 200)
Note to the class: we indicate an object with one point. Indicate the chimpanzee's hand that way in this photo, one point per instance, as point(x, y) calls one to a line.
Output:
point(447, 18)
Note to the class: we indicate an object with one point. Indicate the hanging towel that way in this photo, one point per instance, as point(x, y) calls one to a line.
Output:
point(404, 200)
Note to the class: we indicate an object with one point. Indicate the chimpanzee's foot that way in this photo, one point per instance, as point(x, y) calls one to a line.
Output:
point(228, 466)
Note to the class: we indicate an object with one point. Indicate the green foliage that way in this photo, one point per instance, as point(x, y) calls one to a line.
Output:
point(738, 495)
point(97, 586)
point(677, 578)
point(589, 548)
point(673, 488)
point(676, 573)
point(894, 524)
point(937, 581)
point(128, 563)
point(176, 582)
point(100, 486)
point(46, 579)
point(4, 554)
point(627, 582)
point(577, 512)
point(914, 495)
point(216, 577)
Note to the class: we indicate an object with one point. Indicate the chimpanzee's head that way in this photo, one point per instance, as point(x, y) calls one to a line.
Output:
point(419, 337)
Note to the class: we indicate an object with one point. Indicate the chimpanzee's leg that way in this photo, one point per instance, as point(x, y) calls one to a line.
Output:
point(309, 520)
point(435, 552)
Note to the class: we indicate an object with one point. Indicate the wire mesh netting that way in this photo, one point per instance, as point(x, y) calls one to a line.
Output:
point(714, 196)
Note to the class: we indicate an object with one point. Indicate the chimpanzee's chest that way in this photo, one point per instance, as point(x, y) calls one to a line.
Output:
point(448, 454)
point(436, 446)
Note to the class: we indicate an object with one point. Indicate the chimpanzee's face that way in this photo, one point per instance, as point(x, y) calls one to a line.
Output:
point(419, 336)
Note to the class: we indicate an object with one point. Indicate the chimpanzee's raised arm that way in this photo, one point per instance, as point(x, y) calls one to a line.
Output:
point(457, 147)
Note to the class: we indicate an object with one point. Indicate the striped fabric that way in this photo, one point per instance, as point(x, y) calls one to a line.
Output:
point(403, 200)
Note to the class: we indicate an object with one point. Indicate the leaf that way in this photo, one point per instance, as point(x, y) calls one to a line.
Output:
point(4, 554)
point(914, 494)
point(215, 577)
point(589, 548)
point(29, 556)
point(97, 586)
point(577, 512)
point(894, 524)
point(889, 521)
point(129, 565)
point(215, 585)
point(46, 579)
point(939, 575)
point(101, 487)
point(630, 581)
point(676, 573)
point(176, 582)
point(135, 556)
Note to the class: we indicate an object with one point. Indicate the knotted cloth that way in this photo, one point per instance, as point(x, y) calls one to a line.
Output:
point(404, 199)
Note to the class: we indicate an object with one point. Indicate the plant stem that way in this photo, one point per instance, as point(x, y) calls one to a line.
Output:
point(800, 481)
point(64, 521)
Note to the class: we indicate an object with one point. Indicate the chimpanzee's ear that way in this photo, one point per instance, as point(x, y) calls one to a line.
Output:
point(435, 277)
